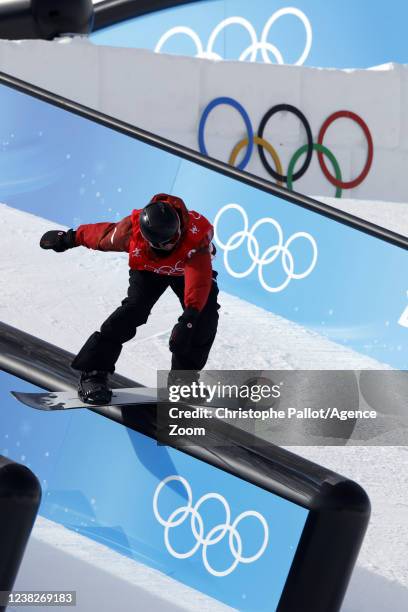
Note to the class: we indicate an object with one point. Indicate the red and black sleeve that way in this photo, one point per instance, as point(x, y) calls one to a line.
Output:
point(105, 236)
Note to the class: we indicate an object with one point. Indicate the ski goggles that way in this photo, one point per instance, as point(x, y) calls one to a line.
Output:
point(167, 245)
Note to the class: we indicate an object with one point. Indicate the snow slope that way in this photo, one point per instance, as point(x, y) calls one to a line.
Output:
point(70, 294)
point(392, 215)
point(63, 298)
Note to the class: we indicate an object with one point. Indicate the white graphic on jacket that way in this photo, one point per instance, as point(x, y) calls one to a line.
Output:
point(113, 235)
point(176, 269)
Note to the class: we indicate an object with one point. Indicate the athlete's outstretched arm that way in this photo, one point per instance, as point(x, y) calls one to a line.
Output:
point(105, 236)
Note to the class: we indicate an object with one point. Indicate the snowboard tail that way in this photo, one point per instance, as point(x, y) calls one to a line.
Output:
point(40, 401)
point(133, 396)
point(69, 400)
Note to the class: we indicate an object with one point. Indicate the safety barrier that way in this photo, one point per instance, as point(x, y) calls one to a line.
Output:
point(110, 12)
point(305, 523)
point(20, 496)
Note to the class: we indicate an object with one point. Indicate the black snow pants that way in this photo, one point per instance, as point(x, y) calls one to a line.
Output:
point(102, 349)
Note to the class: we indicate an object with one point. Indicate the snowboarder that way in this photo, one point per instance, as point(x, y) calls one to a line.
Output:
point(168, 245)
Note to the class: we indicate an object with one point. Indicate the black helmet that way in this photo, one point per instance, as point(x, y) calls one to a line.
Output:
point(160, 224)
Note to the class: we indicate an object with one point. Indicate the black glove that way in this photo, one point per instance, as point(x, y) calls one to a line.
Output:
point(183, 331)
point(58, 240)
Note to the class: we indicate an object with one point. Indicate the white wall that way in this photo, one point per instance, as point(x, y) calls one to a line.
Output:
point(166, 94)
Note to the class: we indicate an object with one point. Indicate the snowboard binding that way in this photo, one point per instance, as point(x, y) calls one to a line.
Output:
point(94, 389)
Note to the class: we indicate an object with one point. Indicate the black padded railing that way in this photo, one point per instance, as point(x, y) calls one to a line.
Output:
point(20, 496)
point(44, 19)
point(109, 12)
point(339, 508)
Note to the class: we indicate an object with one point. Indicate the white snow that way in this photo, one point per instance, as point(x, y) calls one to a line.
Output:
point(392, 215)
point(64, 297)
point(70, 294)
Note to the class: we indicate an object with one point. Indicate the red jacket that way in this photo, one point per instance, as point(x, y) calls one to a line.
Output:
point(191, 257)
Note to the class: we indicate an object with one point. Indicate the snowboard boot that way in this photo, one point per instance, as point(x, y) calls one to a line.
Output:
point(93, 388)
point(182, 377)
point(186, 377)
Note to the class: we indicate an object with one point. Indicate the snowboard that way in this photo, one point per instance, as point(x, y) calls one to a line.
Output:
point(133, 396)
point(69, 400)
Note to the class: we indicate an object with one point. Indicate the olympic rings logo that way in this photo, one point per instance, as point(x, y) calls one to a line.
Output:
point(270, 254)
point(263, 145)
point(214, 535)
point(178, 268)
point(256, 45)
